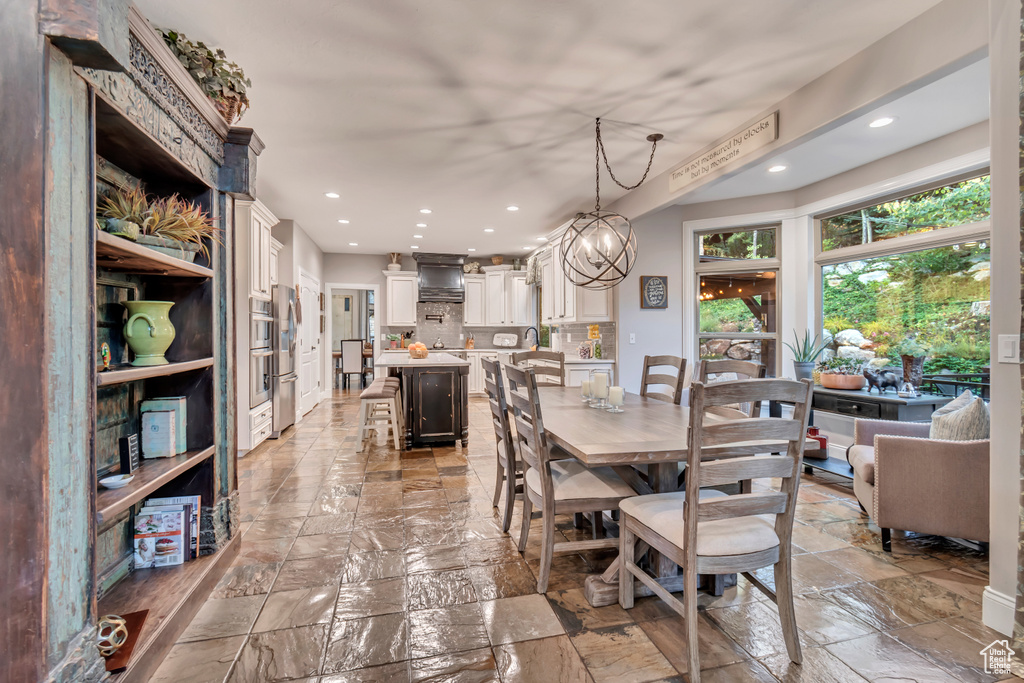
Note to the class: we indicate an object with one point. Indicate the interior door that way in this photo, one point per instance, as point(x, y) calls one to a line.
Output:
point(309, 343)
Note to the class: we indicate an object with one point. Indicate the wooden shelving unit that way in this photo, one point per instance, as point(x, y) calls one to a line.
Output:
point(131, 374)
point(172, 595)
point(148, 478)
point(119, 254)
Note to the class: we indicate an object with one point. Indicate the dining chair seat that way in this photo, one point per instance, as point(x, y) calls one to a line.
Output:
point(662, 513)
point(574, 481)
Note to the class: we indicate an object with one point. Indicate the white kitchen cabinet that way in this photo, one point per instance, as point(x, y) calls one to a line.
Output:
point(495, 307)
point(476, 372)
point(260, 221)
point(402, 295)
point(563, 302)
point(474, 308)
point(519, 301)
point(547, 296)
point(275, 249)
point(593, 306)
point(260, 426)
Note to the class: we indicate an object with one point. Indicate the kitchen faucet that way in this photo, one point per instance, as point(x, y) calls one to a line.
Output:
point(536, 336)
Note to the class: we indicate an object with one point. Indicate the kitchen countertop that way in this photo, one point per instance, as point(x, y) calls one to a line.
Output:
point(404, 360)
point(568, 359)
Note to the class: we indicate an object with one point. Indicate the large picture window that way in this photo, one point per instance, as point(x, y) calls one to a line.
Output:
point(916, 270)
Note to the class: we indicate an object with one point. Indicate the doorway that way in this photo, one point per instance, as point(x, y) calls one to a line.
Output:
point(351, 314)
point(309, 342)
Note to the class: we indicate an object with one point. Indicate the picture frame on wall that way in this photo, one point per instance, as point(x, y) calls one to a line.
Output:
point(654, 291)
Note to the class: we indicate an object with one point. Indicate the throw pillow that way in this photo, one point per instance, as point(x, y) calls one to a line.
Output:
point(965, 418)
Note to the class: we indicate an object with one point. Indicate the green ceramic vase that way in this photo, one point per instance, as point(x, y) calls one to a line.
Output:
point(149, 331)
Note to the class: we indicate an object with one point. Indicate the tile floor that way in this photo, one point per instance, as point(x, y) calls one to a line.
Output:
point(388, 566)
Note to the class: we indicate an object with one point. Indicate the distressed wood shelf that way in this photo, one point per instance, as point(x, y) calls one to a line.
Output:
point(117, 253)
point(150, 476)
point(130, 374)
point(172, 595)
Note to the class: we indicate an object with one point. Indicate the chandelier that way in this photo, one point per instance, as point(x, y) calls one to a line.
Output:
point(598, 249)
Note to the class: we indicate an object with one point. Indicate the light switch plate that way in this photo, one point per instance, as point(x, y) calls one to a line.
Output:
point(632, 338)
point(1009, 348)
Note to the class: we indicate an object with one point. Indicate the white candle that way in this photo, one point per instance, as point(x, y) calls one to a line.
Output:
point(616, 396)
point(585, 388)
point(600, 386)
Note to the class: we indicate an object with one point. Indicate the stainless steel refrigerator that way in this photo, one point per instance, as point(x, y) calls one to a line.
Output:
point(285, 378)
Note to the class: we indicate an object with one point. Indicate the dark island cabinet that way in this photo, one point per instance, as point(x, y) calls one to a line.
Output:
point(435, 401)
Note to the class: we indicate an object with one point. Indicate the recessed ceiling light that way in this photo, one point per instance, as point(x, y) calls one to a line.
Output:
point(488, 229)
point(417, 237)
point(331, 195)
point(879, 123)
point(353, 244)
point(343, 221)
point(471, 250)
point(424, 210)
point(512, 208)
point(421, 225)
point(414, 247)
point(542, 239)
point(777, 168)
point(527, 247)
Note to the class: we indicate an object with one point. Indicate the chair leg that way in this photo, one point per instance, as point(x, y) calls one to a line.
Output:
point(690, 622)
point(597, 526)
point(546, 552)
point(499, 482)
point(510, 498)
point(363, 414)
point(627, 551)
point(524, 530)
point(886, 540)
point(394, 422)
point(784, 601)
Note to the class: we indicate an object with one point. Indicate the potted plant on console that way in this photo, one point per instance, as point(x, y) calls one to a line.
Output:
point(806, 352)
point(912, 351)
point(841, 373)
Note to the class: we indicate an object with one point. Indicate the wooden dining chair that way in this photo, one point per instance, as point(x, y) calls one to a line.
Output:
point(709, 532)
point(727, 369)
point(525, 358)
point(509, 470)
point(673, 382)
point(556, 487)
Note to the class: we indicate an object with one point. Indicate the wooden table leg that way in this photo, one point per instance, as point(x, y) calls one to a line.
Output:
point(664, 478)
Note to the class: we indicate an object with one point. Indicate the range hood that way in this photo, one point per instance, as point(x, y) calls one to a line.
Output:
point(441, 278)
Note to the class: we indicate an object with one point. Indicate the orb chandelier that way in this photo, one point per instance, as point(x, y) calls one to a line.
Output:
point(599, 248)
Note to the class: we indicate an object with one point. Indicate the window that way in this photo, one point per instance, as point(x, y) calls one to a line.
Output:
point(914, 268)
point(738, 298)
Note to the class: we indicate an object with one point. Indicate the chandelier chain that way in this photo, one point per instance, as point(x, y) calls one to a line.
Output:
point(599, 154)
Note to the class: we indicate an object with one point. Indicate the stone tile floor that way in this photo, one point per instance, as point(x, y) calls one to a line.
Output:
point(389, 566)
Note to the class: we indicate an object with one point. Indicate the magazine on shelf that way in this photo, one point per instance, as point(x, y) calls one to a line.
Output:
point(160, 537)
point(195, 502)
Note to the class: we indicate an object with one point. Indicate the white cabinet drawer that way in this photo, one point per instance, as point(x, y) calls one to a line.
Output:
point(260, 434)
point(260, 414)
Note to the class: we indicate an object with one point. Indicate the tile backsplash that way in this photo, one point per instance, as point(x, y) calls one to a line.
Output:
point(572, 334)
point(448, 330)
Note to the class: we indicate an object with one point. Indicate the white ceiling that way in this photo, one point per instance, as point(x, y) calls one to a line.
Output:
point(465, 106)
point(945, 106)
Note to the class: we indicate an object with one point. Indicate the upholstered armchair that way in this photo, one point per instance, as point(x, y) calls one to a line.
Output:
point(907, 481)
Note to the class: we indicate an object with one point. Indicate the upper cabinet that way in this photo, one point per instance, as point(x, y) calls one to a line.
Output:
point(473, 311)
point(255, 220)
point(564, 302)
point(275, 249)
point(495, 308)
point(519, 302)
point(402, 294)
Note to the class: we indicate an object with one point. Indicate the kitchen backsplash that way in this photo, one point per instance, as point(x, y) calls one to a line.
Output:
point(577, 332)
point(448, 330)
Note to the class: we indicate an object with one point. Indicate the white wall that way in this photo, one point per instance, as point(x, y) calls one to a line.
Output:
point(1004, 465)
point(658, 331)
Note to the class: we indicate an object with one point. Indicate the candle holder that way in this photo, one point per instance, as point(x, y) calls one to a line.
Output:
point(585, 393)
point(600, 380)
point(616, 397)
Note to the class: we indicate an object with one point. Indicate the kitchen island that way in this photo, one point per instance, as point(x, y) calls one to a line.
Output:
point(435, 396)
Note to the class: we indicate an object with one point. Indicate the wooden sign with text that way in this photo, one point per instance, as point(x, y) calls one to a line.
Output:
point(725, 152)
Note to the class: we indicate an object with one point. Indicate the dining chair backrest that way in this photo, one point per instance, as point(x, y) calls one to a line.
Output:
point(673, 382)
point(549, 374)
point(744, 437)
point(524, 402)
point(495, 388)
point(727, 369)
point(351, 355)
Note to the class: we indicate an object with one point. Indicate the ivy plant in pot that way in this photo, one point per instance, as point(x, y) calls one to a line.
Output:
point(170, 225)
point(222, 81)
point(912, 351)
point(842, 373)
point(805, 352)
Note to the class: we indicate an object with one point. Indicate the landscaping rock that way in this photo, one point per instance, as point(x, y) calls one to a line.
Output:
point(738, 352)
point(855, 353)
point(981, 308)
point(851, 338)
point(716, 347)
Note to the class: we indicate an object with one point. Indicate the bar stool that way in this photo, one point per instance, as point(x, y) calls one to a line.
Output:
point(380, 407)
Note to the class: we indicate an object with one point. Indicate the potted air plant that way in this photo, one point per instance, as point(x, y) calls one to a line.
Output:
point(806, 352)
point(842, 373)
point(170, 225)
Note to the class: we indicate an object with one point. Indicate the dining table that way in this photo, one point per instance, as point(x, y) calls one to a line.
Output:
point(648, 434)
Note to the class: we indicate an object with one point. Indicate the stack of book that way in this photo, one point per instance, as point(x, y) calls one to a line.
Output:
point(167, 532)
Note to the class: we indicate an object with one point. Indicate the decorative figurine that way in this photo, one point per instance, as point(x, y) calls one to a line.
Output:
point(881, 380)
point(105, 355)
point(907, 391)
